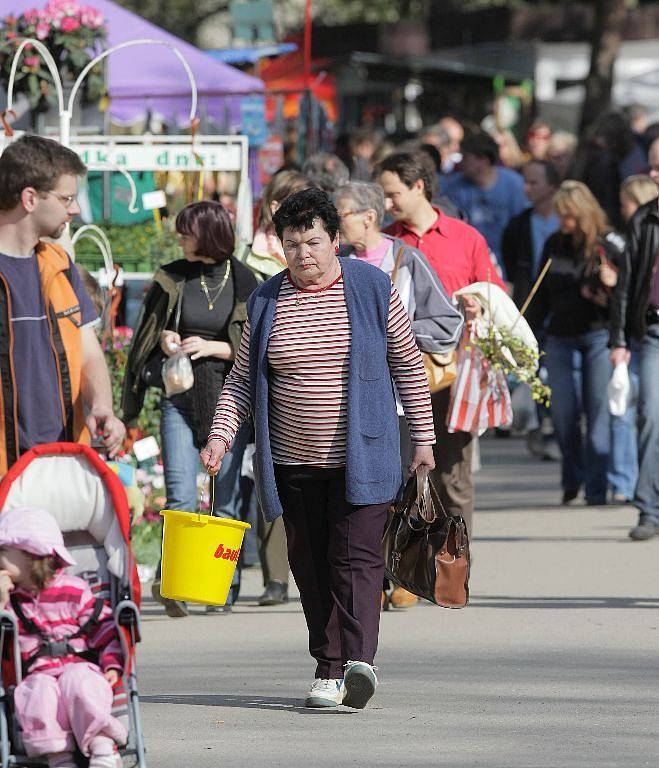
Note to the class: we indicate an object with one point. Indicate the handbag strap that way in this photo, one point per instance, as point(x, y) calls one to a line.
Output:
point(179, 304)
point(399, 258)
point(424, 498)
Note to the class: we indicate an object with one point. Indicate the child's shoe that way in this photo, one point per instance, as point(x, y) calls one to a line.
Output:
point(105, 761)
point(103, 753)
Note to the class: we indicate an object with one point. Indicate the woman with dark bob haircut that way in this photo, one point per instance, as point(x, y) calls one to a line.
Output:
point(323, 341)
point(195, 305)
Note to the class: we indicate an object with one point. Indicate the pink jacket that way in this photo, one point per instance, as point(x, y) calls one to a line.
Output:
point(60, 609)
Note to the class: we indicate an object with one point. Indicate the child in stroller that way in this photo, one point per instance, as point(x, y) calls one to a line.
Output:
point(63, 695)
point(89, 503)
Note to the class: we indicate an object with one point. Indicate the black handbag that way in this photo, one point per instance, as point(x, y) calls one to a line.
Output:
point(151, 371)
point(426, 550)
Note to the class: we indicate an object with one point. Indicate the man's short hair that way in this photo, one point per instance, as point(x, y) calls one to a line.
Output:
point(326, 171)
point(480, 145)
point(437, 132)
point(410, 167)
point(551, 174)
point(33, 161)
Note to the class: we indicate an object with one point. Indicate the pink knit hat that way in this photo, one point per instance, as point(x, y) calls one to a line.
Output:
point(35, 531)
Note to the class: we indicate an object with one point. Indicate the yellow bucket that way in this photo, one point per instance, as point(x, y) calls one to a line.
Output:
point(199, 556)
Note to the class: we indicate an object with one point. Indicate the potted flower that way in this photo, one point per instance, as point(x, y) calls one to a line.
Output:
point(73, 33)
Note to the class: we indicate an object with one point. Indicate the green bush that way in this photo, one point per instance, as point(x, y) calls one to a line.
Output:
point(145, 539)
point(137, 248)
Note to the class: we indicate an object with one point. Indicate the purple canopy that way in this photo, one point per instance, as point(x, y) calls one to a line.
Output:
point(151, 78)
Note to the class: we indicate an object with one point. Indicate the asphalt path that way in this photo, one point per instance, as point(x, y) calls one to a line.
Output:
point(553, 664)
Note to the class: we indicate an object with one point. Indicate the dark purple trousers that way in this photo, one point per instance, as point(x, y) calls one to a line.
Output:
point(334, 550)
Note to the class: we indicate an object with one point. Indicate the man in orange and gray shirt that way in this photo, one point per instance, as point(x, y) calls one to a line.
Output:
point(54, 382)
point(460, 256)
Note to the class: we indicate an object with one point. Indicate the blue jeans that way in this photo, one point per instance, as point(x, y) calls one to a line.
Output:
point(646, 497)
point(578, 371)
point(623, 460)
point(181, 465)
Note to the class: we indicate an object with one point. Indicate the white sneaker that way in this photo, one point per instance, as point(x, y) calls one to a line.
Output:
point(325, 693)
point(360, 682)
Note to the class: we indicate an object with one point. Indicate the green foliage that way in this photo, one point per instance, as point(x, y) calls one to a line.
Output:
point(137, 248)
point(145, 539)
point(508, 353)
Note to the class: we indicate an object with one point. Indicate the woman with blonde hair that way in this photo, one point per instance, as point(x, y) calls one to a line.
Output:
point(574, 299)
point(636, 191)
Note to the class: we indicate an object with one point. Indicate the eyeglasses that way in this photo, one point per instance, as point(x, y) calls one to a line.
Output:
point(68, 200)
point(345, 214)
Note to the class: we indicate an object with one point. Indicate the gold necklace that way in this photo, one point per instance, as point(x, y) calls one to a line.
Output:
point(223, 282)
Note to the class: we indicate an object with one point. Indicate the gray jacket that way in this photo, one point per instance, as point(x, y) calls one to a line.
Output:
point(436, 323)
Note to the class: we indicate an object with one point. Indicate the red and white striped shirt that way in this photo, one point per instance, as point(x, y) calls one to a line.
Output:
point(309, 356)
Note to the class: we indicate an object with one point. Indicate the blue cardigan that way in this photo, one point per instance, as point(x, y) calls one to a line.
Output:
point(373, 468)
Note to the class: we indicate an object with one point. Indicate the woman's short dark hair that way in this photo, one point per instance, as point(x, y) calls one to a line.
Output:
point(299, 211)
point(410, 167)
point(209, 222)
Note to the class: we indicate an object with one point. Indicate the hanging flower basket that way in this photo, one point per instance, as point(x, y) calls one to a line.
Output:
point(73, 33)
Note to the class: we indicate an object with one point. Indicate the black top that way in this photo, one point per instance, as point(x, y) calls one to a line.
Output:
point(211, 325)
point(567, 294)
point(196, 318)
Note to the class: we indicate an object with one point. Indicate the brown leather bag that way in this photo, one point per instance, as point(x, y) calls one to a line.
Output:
point(426, 551)
point(441, 370)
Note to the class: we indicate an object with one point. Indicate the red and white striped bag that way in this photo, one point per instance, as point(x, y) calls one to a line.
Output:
point(480, 397)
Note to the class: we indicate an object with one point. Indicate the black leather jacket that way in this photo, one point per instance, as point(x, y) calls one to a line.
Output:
point(629, 305)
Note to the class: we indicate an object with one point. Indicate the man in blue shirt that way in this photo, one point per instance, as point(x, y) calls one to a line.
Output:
point(54, 379)
point(522, 245)
point(489, 194)
point(526, 234)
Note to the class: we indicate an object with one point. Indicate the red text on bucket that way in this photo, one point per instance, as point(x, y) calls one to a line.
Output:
point(226, 554)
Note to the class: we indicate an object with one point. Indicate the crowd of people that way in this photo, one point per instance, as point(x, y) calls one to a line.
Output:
point(352, 274)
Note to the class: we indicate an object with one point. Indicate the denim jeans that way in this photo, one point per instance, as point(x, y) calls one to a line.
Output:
point(623, 460)
point(578, 371)
point(646, 497)
point(181, 466)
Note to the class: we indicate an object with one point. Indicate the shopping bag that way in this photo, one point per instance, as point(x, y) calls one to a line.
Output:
point(480, 397)
point(466, 392)
point(619, 390)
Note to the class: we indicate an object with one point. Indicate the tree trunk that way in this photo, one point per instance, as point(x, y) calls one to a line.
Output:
point(609, 18)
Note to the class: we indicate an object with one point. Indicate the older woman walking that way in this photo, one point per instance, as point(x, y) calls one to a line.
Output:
point(315, 366)
point(436, 323)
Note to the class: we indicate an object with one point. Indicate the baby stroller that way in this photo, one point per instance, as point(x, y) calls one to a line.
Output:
point(86, 497)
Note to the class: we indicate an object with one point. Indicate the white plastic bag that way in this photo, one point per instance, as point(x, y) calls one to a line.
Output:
point(619, 390)
point(177, 375)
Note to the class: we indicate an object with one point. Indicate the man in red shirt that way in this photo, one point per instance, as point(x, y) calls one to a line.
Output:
point(460, 256)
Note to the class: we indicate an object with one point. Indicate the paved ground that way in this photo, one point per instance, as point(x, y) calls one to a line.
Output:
point(554, 662)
